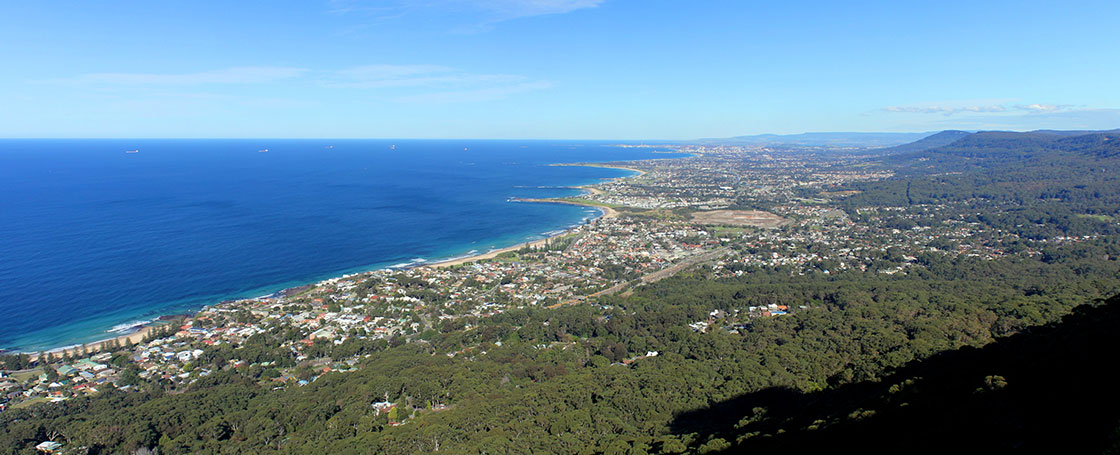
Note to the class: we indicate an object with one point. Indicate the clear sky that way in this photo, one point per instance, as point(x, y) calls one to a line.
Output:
point(565, 69)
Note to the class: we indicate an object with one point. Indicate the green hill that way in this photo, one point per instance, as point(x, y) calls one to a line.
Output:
point(940, 139)
point(1008, 151)
point(1045, 389)
point(1010, 351)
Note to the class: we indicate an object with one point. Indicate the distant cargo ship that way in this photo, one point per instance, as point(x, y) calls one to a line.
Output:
point(262, 151)
point(132, 151)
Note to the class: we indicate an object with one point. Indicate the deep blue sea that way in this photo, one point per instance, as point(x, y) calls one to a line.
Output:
point(92, 237)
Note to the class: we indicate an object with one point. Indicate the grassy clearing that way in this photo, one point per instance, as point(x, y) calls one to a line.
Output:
point(582, 201)
point(28, 375)
point(839, 193)
point(723, 231)
point(31, 402)
point(1101, 218)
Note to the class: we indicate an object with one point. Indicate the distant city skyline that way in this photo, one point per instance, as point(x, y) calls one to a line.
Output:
point(552, 69)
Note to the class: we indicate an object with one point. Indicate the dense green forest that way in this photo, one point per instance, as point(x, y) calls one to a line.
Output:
point(554, 384)
point(1044, 389)
point(1077, 174)
point(1004, 354)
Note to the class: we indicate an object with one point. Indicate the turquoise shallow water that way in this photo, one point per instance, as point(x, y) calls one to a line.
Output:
point(92, 237)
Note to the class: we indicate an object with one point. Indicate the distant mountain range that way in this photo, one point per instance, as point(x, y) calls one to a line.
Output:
point(1076, 170)
point(838, 139)
point(898, 143)
point(950, 150)
point(937, 140)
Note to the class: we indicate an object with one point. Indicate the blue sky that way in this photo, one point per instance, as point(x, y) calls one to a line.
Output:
point(564, 69)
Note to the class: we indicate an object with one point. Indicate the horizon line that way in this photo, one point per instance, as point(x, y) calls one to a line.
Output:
point(538, 138)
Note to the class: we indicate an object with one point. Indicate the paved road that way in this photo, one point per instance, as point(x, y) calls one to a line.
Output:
point(653, 276)
point(673, 269)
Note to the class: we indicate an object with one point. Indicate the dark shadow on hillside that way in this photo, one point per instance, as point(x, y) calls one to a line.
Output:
point(1051, 388)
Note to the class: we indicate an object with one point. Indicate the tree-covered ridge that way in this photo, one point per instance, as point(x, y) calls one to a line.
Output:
point(1044, 389)
point(688, 364)
point(939, 139)
point(1038, 185)
point(576, 378)
point(997, 150)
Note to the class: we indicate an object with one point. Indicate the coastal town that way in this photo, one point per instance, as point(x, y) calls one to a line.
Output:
point(723, 212)
point(570, 227)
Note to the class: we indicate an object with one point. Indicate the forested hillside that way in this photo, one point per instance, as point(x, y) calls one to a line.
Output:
point(955, 351)
point(556, 384)
point(940, 139)
point(1043, 389)
point(1008, 151)
point(1036, 184)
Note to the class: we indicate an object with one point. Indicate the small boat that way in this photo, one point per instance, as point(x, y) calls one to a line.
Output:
point(393, 147)
point(132, 151)
point(262, 151)
point(329, 147)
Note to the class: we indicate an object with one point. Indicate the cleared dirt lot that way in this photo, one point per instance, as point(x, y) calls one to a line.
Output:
point(755, 218)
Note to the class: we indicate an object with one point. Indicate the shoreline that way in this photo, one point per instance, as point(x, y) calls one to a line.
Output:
point(135, 337)
point(639, 171)
point(491, 254)
point(94, 347)
point(605, 212)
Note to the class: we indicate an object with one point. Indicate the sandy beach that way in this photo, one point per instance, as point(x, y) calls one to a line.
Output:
point(93, 347)
point(607, 212)
point(639, 171)
point(491, 254)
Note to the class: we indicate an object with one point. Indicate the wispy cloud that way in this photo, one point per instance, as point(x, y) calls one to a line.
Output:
point(477, 14)
point(953, 108)
point(511, 9)
point(475, 95)
point(236, 75)
point(1020, 120)
point(386, 76)
point(433, 83)
point(418, 83)
point(946, 110)
point(1047, 108)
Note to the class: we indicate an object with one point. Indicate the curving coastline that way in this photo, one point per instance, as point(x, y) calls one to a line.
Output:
point(605, 212)
point(607, 166)
point(95, 346)
point(142, 330)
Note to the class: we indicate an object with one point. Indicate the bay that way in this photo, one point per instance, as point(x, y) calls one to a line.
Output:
point(92, 237)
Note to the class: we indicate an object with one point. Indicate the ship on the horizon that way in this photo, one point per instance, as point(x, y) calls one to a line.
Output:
point(132, 151)
point(262, 151)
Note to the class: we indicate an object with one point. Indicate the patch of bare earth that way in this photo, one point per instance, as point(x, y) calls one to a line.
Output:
point(755, 218)
point(840, 193)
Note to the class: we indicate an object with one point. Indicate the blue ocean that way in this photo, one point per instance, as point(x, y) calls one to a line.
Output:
point(93, 237)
